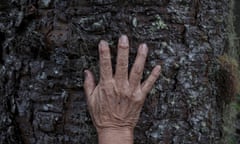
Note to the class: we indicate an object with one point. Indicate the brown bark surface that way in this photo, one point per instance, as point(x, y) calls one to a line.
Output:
point(46, 45)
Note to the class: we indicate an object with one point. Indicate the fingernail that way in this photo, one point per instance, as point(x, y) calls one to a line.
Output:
point(157, 70)
point(103, 43)
point(144, 48)
point(85, 73)
point(123, 40)
point(158, 67)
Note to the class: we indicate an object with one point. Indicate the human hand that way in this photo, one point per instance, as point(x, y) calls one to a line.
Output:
point(116, 102)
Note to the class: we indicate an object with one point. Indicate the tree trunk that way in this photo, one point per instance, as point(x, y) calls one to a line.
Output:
point(46, 45)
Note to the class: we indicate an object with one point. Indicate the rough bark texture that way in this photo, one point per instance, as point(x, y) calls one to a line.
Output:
point(46, 45)
point(237, 30)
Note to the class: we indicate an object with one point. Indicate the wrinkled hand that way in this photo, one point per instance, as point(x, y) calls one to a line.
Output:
point(117, 100)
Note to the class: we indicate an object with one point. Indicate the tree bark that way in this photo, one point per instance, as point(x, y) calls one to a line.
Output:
point(46, 45)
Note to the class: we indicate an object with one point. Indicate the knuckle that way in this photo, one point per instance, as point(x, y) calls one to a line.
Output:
point(106, 57)
point(104, 50)
point(137, 70)
point(138, 100)
point(123, 64)
point(124, 94)
point(142, 55)
point(105, 64)
point(106, 84)
point(123, 46)
point(154, 75)
point(150, 81)
point(137, 97)
point(149, 87)
point(106, 89)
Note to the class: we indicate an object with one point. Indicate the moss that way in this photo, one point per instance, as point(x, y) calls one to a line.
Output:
point(229, 86)
point(158, 24)
point(227, 82)
point(229, 73)
point(228, 78)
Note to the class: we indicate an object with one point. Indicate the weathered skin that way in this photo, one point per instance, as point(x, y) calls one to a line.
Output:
point(116, 102)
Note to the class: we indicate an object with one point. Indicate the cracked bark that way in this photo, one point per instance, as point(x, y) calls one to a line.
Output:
point(46, 45)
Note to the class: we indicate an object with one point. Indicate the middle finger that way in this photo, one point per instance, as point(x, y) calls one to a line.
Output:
point(122, 59)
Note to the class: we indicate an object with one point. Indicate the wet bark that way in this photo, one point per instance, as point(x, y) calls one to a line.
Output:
point(46, 45)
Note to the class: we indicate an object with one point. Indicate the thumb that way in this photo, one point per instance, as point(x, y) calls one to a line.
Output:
point(89, 83)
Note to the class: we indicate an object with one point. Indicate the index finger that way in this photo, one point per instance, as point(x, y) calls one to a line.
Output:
point(105, 61)
point(138, 66)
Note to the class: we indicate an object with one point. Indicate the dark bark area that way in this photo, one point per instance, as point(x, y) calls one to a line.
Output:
point(46, 45)
point(237, 29)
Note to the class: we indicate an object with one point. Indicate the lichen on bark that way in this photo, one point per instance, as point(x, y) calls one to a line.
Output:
point(46, 45)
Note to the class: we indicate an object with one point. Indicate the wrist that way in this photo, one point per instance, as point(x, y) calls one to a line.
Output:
point(115, 135)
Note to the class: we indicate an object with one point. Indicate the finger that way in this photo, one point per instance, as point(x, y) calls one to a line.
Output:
point(147, 84)
point(138, 66)
point(122, 58)
point(89, 84)
point(105, 61)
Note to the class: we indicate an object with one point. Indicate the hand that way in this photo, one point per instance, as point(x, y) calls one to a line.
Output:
point(116, 102)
